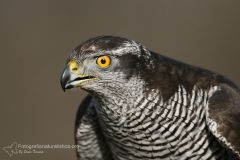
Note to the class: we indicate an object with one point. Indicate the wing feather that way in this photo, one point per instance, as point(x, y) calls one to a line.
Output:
point(223, 117)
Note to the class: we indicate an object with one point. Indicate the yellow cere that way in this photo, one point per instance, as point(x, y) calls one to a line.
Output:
point(73, 65)
point(103, 61)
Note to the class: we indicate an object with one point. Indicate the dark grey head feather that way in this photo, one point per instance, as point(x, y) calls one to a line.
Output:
point(156, 70)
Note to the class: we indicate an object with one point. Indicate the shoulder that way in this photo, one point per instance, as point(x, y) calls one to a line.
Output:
point(223, 116)
point(85, 109)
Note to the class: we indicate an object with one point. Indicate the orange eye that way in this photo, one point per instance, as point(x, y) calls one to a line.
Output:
point(103, 61)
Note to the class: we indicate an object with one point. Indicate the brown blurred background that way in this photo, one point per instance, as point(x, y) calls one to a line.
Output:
point(37, 36)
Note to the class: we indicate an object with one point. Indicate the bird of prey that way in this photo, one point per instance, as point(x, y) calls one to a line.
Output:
point(143, 105)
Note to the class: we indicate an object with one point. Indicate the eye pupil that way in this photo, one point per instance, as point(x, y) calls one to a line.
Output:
point(103, 61)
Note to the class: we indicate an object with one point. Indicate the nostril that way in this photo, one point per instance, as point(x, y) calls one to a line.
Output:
point(74, 69)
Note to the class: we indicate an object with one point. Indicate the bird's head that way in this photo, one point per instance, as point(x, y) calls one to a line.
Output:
point(103, 63)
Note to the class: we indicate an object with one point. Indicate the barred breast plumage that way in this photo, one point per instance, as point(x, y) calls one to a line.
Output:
point(175, 129)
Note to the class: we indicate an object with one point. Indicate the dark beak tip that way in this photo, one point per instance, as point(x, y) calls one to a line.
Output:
point(63, 87)
point(62, 84)
point(64, 78)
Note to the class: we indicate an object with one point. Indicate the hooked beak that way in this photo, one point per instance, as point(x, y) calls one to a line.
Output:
point(70, 79)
